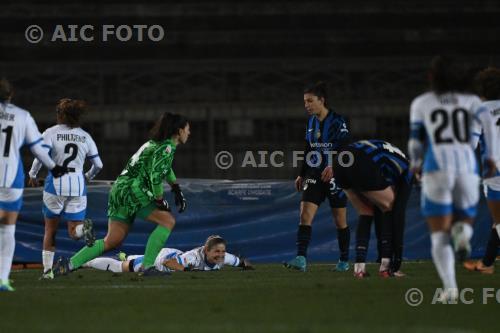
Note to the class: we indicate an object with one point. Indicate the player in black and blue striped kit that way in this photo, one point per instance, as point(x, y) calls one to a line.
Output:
point(376, 178)
point(326, 130)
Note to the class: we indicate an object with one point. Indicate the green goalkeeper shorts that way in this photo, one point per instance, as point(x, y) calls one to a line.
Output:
point(126, 202)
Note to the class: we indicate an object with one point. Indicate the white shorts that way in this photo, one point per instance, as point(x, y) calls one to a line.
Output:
point(11, 199)
point(491, 188)
point(73, 208)
point(446, 193)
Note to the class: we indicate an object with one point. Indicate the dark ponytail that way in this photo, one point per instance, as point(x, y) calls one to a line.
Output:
point(166, 126)
point(448, 75)
point(6, 90)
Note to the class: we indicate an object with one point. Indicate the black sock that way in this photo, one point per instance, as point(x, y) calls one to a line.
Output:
point(386, 235)
point(378, 226)
point(344, 238)
point(363, 237)
point(491, 248)
point(303, 239)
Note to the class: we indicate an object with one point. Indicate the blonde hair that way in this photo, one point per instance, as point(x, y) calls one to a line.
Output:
point(214, 240)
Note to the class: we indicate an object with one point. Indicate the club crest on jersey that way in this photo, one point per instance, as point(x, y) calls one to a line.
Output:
point(168, 149)
point(318, 134)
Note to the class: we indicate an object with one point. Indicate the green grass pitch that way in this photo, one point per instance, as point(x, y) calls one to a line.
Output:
point(269, 299)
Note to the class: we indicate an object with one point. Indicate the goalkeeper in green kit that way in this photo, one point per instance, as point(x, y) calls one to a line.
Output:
point(138, 191)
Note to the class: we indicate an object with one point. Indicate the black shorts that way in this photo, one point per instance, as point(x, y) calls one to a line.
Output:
point(358, 172)
point(315, 191)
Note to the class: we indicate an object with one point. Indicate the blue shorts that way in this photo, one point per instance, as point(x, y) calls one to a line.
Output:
point(12, 206)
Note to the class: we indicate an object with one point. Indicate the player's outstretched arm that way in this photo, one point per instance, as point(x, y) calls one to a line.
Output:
point(173, 264)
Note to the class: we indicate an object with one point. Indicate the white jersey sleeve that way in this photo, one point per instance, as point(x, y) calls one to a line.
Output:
point(487, 117)
point(166, 254)
point(488, 131)
point(441, 132)
point(17, 128)
point(231, 260)
point(94, 158)
point(69, 147)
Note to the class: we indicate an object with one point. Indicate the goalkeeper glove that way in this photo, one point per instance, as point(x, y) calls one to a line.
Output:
point(246, 265)
point(59, 170)
point(180, 201)
point(162, 204)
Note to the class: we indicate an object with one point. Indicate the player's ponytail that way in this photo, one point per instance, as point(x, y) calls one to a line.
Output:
point(167, 126)
point(69, 111)
point(317, 89)
point(448, 75)
point(6, 90)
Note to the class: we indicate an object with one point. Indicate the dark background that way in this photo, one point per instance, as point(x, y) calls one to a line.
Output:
point(237, 69)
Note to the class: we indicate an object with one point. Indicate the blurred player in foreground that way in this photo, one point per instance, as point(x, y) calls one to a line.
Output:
point(441, 148)
point(66, 196)
point(489, 90)
point(209, 257)
point(376, 178)
point(17, 129)
point(325, 131)
point(138, 191)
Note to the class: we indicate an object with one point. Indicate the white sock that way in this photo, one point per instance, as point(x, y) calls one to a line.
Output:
point(444, 259)
point(47, 259)
point(498, 229)
point(79, 231)
point(7, 246)
point(105, 264)
point(359, 267)
point(384, 264)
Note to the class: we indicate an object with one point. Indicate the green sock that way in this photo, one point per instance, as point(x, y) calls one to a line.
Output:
point(156, 241)
point(87, 254)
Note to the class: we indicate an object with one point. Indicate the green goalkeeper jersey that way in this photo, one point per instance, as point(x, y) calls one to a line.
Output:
point(142, 179)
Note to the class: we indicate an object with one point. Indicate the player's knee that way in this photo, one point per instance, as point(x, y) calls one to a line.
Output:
point(72, 232)
point(169, 222)
point(385, 206)
point(110, 244)
point(305, 218)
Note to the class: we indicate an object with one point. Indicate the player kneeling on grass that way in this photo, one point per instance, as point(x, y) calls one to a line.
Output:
point(209, 257)
point(138, 191)
point(69, 145)
point(375, 176)
point(489, 91)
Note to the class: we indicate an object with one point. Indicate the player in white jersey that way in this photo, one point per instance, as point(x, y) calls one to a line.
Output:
point(17, 128)
point(489, 90)
point(209, 257)
point(67, 196)
point(441, 148)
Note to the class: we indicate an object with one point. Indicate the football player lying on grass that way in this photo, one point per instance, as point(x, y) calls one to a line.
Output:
point(211, 256)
